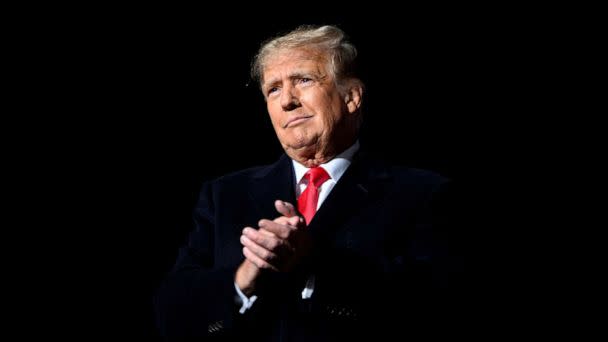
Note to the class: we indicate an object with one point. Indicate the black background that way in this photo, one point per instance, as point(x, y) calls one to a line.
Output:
point(138, 106)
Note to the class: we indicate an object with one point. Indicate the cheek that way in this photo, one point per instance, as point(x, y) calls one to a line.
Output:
point(331, 115)
point(274, 114)
point(329, 105)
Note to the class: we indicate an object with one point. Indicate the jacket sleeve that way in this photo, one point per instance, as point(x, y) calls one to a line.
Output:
point(196, 298)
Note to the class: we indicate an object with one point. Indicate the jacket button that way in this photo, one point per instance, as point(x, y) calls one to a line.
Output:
point(215, 327)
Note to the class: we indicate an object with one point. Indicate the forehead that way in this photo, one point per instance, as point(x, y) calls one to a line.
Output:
point(286, 59)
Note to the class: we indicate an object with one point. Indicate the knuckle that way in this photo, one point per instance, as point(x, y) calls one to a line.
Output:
point(273, 244)
point(264, 242)
point(264, 254)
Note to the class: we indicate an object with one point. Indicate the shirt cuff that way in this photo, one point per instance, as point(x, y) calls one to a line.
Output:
point(310, 287)
point(243, 301)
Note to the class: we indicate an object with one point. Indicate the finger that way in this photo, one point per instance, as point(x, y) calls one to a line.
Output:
point(267, 233)
point(296, 221)
point(280, 230)
point(283, 245)
point(267, 239)
point(257, 260)
point(283, 220)
point(285, 208)
point(258, 250)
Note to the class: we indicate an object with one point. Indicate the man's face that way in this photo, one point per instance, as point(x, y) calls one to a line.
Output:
point(305, 105)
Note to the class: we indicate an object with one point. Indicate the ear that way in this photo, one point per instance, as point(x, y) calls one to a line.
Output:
point(354, 95)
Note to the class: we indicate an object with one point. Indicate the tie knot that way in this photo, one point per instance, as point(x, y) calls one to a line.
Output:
point(317, 176)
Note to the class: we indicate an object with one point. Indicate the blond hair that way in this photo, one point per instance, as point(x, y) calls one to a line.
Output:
point(327, 39)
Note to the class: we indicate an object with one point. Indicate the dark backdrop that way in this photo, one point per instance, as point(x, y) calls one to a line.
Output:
point(150, 102)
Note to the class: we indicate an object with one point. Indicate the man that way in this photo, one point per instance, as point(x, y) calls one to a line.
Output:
point(325, 244)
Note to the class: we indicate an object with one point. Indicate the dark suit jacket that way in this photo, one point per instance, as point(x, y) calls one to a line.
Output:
point(381, 259)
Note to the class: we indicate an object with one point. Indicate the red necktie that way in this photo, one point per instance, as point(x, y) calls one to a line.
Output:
point(307, 203)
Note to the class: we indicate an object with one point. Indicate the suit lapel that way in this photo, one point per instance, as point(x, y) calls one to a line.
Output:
point(353, 191)
point(270, 184)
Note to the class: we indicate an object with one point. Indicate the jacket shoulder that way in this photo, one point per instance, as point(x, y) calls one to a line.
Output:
point(403, 176)
point(248, 174)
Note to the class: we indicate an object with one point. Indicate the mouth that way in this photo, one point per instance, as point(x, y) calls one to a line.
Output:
point(297, 120)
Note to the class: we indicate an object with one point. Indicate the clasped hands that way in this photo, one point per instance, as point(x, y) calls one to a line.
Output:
point(277, 245)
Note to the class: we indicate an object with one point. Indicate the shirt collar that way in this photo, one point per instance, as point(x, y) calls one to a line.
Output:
point(335, 167)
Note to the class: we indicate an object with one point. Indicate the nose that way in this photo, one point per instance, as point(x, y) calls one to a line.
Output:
point(289, 98)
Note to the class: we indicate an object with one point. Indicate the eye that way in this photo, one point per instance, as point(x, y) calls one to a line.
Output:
point(272, 90)
point(304, 80)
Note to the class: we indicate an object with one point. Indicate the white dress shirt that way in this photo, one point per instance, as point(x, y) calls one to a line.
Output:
point(335, 168)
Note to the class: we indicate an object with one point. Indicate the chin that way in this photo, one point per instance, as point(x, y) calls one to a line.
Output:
point(302, 143)
point(297, 144)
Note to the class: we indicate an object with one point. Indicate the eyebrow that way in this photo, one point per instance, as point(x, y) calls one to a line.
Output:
point(292, 76)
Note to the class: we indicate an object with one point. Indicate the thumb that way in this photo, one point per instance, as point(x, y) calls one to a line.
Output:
point(295, 221)
point(285, 208)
